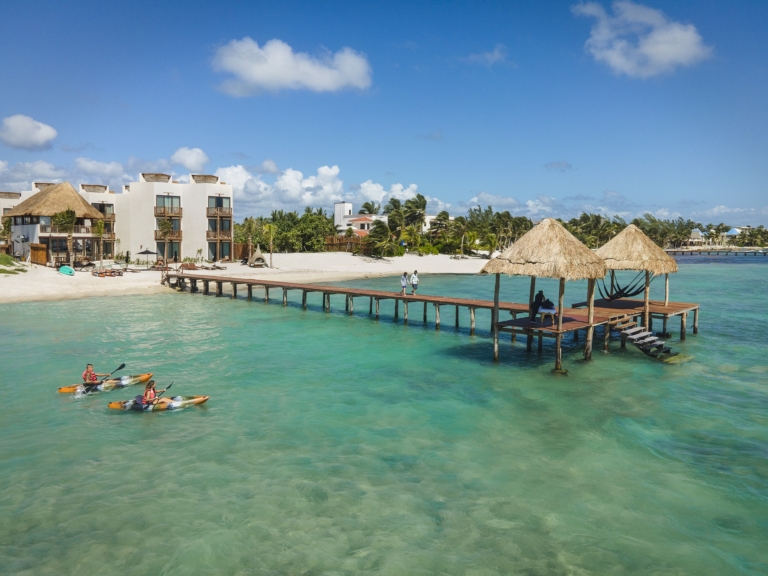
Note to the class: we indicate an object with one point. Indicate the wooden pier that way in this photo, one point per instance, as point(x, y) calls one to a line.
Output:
point(613, 316)
point(715, 251)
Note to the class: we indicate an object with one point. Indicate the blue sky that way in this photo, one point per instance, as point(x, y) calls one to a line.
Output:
point(541, 108)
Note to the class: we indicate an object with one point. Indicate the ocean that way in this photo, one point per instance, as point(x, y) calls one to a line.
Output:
point(344, 445)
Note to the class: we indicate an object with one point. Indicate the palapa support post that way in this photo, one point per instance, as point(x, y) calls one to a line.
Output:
point(397, 309)
point(683, 322)
point(532, 293)
point(695, 320)
point(437, 316)
point(233, 295)
point(405, 311)
point(646, 297)
point(471, 318)
point(666, 291)
point(377, 308)
point(250, 292)
point(218, 289)
point(457, 317)
point(495, 318)
point(559, 339)
point(590, 319)
point(206, 288)
point(304, 299)
point(285, 296)
point(606, 336)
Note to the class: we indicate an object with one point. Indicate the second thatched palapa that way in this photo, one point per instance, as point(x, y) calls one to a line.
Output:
point(631, 249)
point(548, 250)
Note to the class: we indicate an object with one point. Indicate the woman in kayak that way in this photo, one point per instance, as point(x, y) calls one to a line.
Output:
point(150, 394)
point(89, 376)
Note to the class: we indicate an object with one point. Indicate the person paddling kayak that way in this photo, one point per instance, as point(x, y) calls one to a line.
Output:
point(150, 394)
point(91, 377)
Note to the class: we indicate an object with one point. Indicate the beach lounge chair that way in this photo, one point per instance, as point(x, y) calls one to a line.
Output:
point(188, 266)
point(217, 266)
point(83, 265)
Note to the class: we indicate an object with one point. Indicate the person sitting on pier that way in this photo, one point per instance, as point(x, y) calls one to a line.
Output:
point(537, 303)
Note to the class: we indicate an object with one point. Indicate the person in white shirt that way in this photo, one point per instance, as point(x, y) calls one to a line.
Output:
point(404, 282)
point(414, 282)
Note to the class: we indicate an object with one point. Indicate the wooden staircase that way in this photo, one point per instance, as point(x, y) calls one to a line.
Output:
point(644, 340)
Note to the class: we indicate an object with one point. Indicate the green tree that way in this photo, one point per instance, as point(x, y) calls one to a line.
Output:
point(369, 208)
point(6, 233)
point(415, 211)
point(270, 230)
point(165, 227)
point(98, 231)
point(382, 239)
point(65, 223)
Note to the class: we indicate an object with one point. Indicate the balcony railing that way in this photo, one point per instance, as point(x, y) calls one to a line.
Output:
point(51, 229)
point(108, 236)
point(108, 217)
point(174, 235)
point(167, 210)
point(219, 211)
point(219, 234)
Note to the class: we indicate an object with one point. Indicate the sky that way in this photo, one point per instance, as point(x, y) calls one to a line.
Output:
point(545, 108)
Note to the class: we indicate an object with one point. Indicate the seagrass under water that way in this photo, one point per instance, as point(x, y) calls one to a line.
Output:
point(343, 445)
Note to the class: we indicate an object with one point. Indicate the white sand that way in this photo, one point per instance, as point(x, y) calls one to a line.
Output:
point(41, 283)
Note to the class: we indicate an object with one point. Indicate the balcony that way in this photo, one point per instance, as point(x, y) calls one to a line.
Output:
point(219, 211)
point(219, 234)
point(108, 236)
point(108, 217)
point(167, 211)
point(50, 229)
point(174, 235)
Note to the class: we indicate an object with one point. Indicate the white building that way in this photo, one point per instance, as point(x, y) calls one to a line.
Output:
point(200, 210)
point(344, 217)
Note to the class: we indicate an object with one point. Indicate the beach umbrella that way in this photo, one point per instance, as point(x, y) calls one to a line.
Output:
point(631, 249)
point(146, 252)
point(548, 250)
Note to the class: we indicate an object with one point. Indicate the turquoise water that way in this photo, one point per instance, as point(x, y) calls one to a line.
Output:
point(338, 445)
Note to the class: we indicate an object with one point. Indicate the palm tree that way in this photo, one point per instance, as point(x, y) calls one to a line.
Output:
point(165, 227)
point(415, 211)
point(439, 223)
point(98, 231)
point(459, 228)
point(7, 233)
point(369, 208)
point(392, 205)
point(65, 222)
point(270, 230)
point(382, 238)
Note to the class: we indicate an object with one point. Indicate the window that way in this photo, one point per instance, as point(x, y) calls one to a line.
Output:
point(218, 202)
point(173, 250)
point(211, 250)
point(224, 250)
point(175, 221)
point(212, 224)
point(226, 224)
point(168, 201)
point(105, 208)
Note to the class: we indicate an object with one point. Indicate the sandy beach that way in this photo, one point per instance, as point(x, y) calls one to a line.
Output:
point(41, 283)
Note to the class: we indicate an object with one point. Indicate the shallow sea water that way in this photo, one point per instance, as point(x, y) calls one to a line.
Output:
point(342, 445)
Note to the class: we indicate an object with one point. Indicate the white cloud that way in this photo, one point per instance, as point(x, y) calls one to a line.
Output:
point(3, 165)
point(640, 41)
point(267, 167)
point(193, 159)
point(23, 132)
point(498, 55)
point(21, 175)
point(401, 192)
point(106, 170)
point(275, 66)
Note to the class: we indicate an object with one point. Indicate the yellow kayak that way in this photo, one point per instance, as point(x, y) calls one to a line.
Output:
point(106, 385)
point(170, 403)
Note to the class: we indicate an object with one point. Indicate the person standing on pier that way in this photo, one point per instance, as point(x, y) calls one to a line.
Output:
point(537, 303)
point(414, 282)
point(403, 283)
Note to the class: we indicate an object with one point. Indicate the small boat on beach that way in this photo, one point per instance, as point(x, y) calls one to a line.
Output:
point(106, 385)
point(66, 271)
point(172, 403)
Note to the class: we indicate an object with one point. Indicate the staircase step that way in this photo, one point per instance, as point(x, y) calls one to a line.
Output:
point(633, 330)
point(650, 345)
point(649, 340)
point(639, 336)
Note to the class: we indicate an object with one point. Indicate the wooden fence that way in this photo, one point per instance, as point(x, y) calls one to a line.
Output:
point(354, 244)
point(38, 254)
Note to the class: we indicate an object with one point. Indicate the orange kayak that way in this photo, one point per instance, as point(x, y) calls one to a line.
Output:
point(107, 385)
point(170, 403)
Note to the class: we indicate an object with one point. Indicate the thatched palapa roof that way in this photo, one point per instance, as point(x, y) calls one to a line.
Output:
point(548, 250)
point(54, 199)
point(631, 249)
